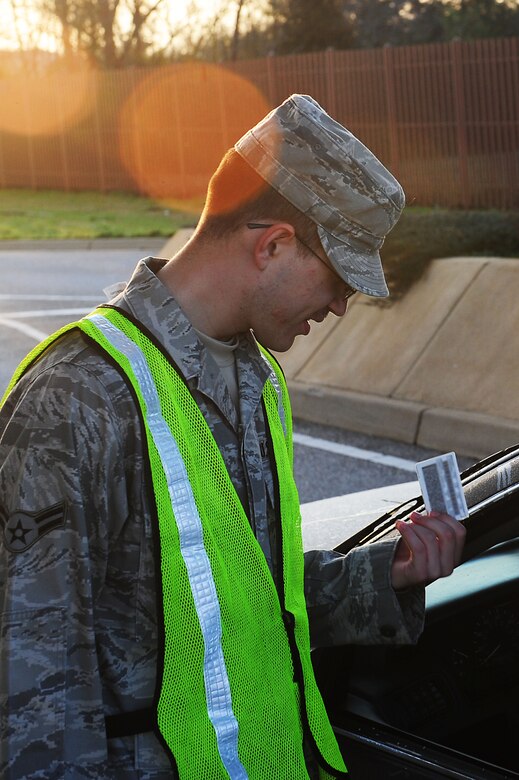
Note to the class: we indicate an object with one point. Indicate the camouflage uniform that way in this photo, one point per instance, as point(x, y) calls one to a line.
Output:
point(78, 610)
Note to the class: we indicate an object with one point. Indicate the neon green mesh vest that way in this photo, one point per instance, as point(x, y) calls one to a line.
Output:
point(236, 693)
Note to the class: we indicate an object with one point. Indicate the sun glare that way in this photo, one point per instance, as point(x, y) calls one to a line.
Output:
point(175, 114)
point(47, 103)
point(22, 26)
point(178, 122)
point(21, 29)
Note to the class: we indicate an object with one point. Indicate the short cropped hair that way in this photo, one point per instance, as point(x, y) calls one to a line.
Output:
point(237, 194)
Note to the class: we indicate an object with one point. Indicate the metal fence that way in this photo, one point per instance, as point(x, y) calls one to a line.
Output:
point(443, 117)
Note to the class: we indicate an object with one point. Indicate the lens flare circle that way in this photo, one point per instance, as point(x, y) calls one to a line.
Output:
point(178, 122)
point(48, 103)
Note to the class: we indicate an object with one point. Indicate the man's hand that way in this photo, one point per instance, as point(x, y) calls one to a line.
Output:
point(430, 547)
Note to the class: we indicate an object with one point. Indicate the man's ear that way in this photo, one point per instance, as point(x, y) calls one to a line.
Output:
point(272, 242)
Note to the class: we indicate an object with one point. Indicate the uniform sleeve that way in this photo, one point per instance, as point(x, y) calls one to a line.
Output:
point(59, 450)
point(350, 599)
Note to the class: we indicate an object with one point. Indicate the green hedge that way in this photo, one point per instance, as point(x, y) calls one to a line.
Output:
point(423, 235)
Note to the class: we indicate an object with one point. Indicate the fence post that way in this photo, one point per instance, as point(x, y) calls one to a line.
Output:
point(331, 88)
point(3, 177)
point(270, 79)
point(224, 130)
point(135, 129)
point(28, 138)
point(58, 87)
point(184, 189)
point(99, 146)
point(461, 120)
point(392, 118)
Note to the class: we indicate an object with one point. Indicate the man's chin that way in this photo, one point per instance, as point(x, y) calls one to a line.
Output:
point(280, 341)
point(284, 348)
point(277, 345)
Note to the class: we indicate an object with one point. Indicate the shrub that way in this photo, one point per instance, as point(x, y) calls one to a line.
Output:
point(423, 235)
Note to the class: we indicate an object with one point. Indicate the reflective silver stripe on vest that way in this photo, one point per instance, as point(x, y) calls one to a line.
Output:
point(218, 692)
point(277, 387)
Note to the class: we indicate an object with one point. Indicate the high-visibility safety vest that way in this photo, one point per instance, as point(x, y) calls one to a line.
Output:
point(236, 694)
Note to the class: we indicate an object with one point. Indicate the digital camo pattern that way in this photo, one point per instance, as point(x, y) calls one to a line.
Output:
point(369, 611)
point(324, 170)
point(78, 633)
point(328, 174)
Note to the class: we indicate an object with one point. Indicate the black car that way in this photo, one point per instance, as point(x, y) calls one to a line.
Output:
point(449, 706)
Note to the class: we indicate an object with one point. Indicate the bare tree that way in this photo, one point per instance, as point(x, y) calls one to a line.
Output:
point(111, 32)
point(202, 37)
point(305, 25)
point(138, 42)
point(236, 34)
point(28, 37)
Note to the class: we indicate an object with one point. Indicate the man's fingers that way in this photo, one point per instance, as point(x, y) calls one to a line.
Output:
point(434, 543)
point(424, 550)
point(449, 532)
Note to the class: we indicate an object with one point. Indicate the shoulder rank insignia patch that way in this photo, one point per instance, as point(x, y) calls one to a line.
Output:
point(23, 529)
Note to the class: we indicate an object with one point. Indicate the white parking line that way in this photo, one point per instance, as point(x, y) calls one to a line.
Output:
point(354, 452)
point(22, 297)
point(37, 335)
point(24, 315)
point(11, 319)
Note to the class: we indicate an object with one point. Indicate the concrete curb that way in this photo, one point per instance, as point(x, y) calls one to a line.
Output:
point(369, 414)
point(467, 433)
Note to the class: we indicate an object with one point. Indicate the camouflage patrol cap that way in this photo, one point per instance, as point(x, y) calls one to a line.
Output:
point(329, 175)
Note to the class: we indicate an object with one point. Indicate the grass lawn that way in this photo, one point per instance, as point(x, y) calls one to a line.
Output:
point(35, 214)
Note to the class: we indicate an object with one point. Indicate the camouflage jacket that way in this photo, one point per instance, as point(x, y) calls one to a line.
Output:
point(77, 581)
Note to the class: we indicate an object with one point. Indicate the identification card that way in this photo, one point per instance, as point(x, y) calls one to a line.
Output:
point(441, 486)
